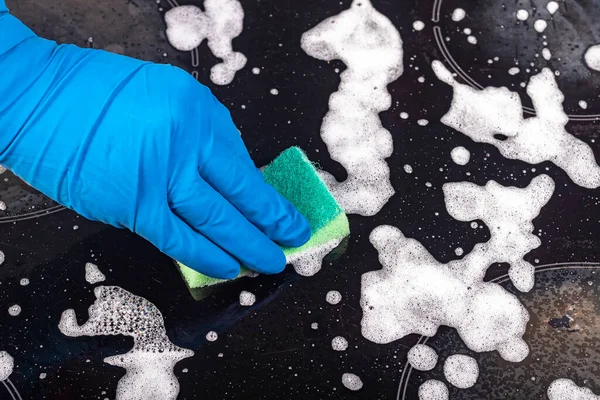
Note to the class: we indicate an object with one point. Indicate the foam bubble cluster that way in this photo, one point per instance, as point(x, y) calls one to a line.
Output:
point(14, 310)
point(247, 299)
point(458, 14)
point(566, 389)
point(220, 23)
point(309, 262)
point(422, 357)
point(149, 364)
point(414, 293)
point(339, 343)
point(333, 297)
point(485, 114)
point(93, 274)
point(371, 47)
point(592, 57)
point(460, 155)
point(461, 371)
point(433, 390)
point(7, 363)
point(352, 382)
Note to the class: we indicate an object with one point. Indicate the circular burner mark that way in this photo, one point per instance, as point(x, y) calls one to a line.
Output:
point(439, 38)
point(408, 369)
point(12, 390)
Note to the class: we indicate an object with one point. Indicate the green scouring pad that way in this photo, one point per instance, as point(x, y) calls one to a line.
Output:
point(295, 178)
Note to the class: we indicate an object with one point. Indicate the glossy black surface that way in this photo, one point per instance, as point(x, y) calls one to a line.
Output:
point(269, 350)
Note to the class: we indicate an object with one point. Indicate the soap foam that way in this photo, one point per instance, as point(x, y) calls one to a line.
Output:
point(522, 15)
point(371, 47)
point(422, 357)
point(418, 25)
point(149, 364)
point(458, 14)
point(339, 343)
point(93, 274)
point(14, 310)
point(592, 57)
point(460, 155)
point(333, 297)
point(414, 293)
point(513, 71)
point(566, 389)
point(220, 23)
point(247, 299)
point(461, 371)
point(540, 25)
point(7, 363)
point(482, 114)
point(546, 54)
point(309, 262)
point(352, 382)
point(552, 7)
point(433, 390)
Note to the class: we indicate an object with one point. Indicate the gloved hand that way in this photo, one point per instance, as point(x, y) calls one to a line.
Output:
point(139, 145)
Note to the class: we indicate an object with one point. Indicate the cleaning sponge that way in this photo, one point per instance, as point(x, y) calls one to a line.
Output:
point(295, 178)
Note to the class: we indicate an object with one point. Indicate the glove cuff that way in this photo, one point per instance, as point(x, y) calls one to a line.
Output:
point(13, 32)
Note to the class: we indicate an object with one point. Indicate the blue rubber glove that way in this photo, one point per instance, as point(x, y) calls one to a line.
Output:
point(142, 146)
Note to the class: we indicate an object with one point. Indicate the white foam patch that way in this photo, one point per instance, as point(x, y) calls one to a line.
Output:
point(371, 47)
point(433, 390)
point(14, 310)
point(552, 7)
point(482, 114)
point(247, 299)
point(212, 336)
point(2, 257)
point(220, 23)
point(522, 15)
point(414, 293)
point(546, 54)
point(566, 389)
point(458, 14)
point(7, 363)
point(93, 274)
point(2, 169)
point(149, 364)
point(513, 71)
point(592, 57)
point(460, 155)
point(461, 371)
point(422, 357)
point(309, 262)
point(333, 297)
point(339, 343)
point(540, 25)
point(583, 104)
point(472, 39)
point(24, 282)
point(408, 169)
point(418, 25)
point(352, 382)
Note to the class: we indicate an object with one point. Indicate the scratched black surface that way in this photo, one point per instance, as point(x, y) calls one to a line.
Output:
point(269, 350)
